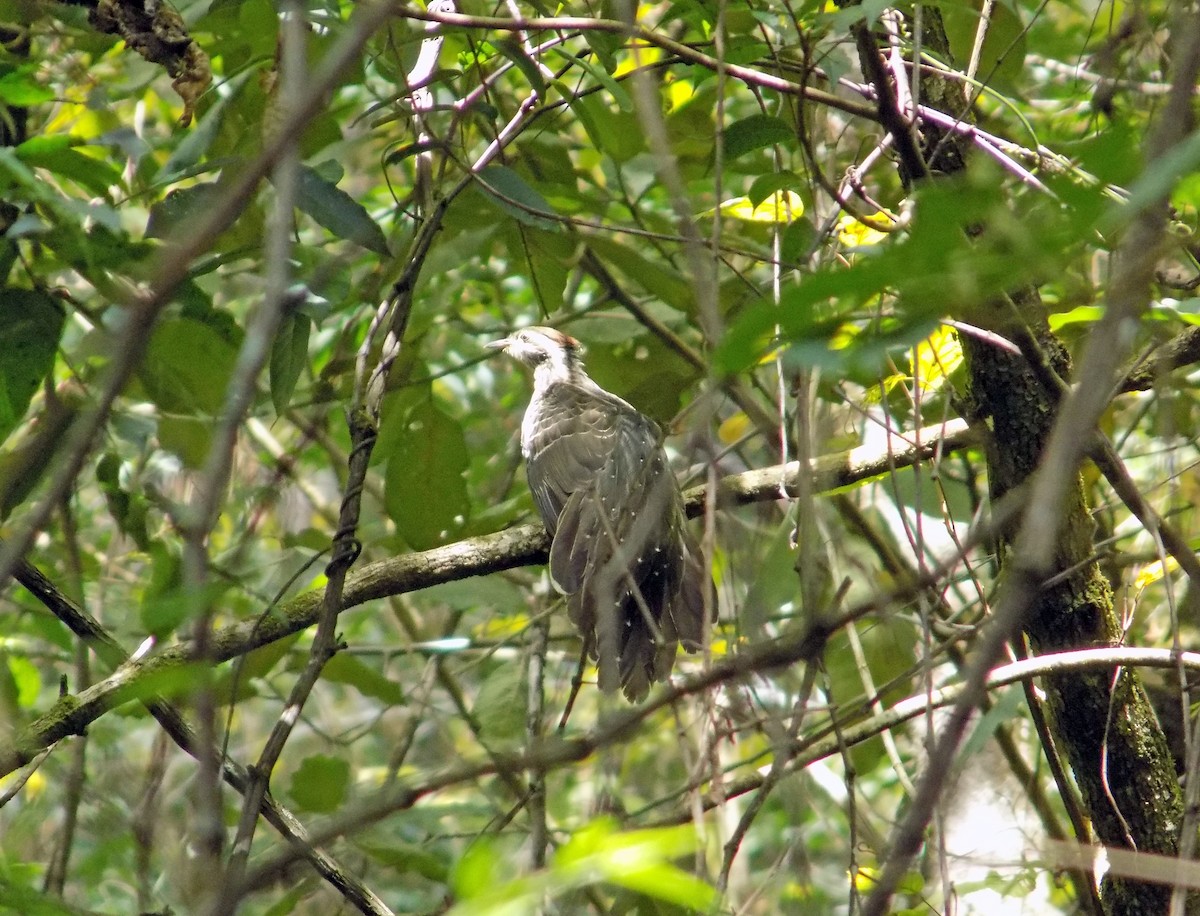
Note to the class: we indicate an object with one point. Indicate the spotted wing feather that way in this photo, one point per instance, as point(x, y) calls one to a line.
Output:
point(602, 485)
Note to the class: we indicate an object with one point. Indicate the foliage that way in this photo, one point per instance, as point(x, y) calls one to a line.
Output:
point(705, 196)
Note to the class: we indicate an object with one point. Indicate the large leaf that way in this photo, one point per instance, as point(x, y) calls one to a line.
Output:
point(180, 206)
point(344, 668)
point(195, 144)
point(187, 367)
point(289, 355)
point(31, 324)
point(1002, 55)
point(500, 704)
point(512, 194)
point(614, 132)
point(755, 132)
point(57, 154)
point(338, 212)
point(654, 277)
point(425, 491)
point(639, 860)
point(614, 89)
point(20, 87)
point(320, 784)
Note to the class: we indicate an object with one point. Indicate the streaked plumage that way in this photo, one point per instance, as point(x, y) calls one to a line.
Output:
point(620, 551)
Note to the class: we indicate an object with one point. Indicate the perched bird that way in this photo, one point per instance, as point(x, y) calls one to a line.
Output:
point(633, 575)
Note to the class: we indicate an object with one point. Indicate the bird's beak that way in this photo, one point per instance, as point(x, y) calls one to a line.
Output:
point(501, 344)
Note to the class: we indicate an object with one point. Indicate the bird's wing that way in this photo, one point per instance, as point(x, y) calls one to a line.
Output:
point(602, 484)
point(575, 434)
point(686, 610)
point(616, 552)
point(617, 460)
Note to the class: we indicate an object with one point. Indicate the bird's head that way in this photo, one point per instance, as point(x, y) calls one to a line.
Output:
point(553, 355)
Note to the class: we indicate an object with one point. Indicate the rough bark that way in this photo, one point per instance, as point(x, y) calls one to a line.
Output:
point(1107, 731)
point(1092, 718)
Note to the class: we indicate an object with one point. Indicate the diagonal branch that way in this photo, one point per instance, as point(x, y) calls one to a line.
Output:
point(108, 650)
point(554, 754)
point(524, 545)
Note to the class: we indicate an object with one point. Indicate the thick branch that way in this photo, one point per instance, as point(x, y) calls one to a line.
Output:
point(747, 75)
point(551, 755)
point(100, 641)
point(521, 546)
point(1181, 350)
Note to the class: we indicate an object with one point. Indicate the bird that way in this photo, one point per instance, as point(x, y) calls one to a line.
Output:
point(633, 575)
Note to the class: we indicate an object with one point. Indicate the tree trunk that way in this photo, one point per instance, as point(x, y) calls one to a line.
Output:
point(1108, 731)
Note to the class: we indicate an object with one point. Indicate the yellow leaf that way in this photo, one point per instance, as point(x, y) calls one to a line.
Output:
point(780, 207)
point(770, 357)
point(1155, 571)
point(937, 356)
point(865, 878)
point(645, 57)
point(502, 627)
point(896, 378)
point(854, 233)
point(679, 93)
point(34, 786)
point(843, 337)
point(734, 428)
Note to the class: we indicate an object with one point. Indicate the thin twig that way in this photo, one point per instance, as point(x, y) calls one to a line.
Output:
point(521, 546)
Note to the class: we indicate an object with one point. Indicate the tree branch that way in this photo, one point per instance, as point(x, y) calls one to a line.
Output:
point(1181, 350)
point(747, 75)
point(108, 650)
point(557, 753)
point(523, 545)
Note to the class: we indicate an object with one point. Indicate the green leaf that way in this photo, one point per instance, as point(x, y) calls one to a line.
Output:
point(425, 492)
point(96, 175)
point(523, 62)
point(754, 133)
point(615, 132)
point(1156, 182)
point(31, 324)
point(163, 605)
point(406, 858)
point(289, 903)
point(320, 784)
point(26, 678)
point(338, 212)
point(639, 860)
point(614, 89)
point(261, 661)
point(289, 356)
point(1006, 708)
point(766, 185)
point(20, 89)
point(187, 367)
point(1002, 56)
point(653, 276)
point(179, 207)
point(344, 668)
point(500, 704)
point(477, 873)
point(509, 191)
point(548, 256)
point(127, 509)
point(605, 45)
point(188, 438)
point(26, 900)
point(195, 145)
